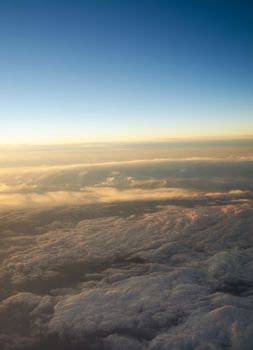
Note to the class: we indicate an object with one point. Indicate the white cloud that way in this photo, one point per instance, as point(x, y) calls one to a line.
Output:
point(179, 276)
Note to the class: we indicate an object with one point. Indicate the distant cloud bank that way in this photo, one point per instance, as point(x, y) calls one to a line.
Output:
point(109, 182)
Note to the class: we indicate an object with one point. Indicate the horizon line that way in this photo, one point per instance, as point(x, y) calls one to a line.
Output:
point(133, 141)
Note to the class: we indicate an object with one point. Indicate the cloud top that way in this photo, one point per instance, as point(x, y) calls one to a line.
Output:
point(177, 276)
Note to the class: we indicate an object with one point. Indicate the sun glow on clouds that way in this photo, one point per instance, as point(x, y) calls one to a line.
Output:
point(132, 253)
point(124, 181)
point(92, 195)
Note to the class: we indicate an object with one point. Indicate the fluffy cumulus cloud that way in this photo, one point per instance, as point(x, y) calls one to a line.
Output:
point(175, 277)
point(146, 255)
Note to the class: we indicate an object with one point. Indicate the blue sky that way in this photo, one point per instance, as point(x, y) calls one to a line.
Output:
point(120, 70)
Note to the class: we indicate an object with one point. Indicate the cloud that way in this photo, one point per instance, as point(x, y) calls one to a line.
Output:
point(90, 195)
point(130, 255)
point(124, 181)
point(178, 277)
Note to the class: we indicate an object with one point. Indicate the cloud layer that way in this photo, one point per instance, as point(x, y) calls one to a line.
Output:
point(131, 255)
point(178, 277)
point(124, 181)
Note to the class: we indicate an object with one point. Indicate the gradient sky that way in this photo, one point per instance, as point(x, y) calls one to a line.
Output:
point(121, 70)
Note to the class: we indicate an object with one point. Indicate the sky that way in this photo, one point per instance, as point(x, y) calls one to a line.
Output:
point(82, 71)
